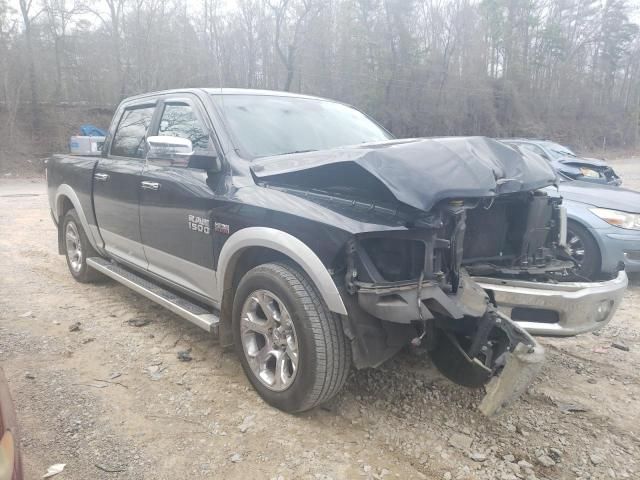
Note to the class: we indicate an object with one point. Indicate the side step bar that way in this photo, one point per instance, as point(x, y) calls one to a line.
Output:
point(177, 304)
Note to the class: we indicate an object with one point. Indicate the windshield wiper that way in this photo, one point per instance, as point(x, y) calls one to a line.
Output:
point(565, 153)
point(298, 151)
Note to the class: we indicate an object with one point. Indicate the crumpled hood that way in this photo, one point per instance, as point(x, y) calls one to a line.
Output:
point(599, 195)
point(417, 172)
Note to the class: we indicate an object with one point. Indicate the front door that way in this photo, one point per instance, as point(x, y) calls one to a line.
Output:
point(176, 204)
point(116, 185)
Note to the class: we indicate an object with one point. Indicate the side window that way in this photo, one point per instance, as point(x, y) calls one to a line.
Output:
point(179, 120)
point(128, 140)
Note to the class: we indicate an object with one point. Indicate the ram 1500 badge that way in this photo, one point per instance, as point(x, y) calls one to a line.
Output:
point(333, 244)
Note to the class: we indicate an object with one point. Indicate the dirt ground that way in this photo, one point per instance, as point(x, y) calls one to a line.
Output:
point(112, 401)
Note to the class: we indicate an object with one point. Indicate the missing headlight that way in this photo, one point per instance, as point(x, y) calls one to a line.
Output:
point(396, 259)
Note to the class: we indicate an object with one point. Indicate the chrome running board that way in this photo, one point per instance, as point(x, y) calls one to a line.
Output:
point(179, 305)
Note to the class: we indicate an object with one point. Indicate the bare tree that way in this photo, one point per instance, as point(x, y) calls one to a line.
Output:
point(291, 17)
point(26, 7)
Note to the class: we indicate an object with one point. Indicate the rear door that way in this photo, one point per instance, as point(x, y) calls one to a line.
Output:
point(117, 184)
point(177, 201)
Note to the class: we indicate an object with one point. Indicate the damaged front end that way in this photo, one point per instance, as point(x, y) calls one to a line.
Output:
point(460, 207)
point(417, 277)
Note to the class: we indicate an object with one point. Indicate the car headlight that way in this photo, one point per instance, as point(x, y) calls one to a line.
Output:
point(587, 172)
point(618, 218)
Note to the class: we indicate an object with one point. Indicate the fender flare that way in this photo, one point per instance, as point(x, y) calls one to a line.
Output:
point(288, 245)
point(65, 190)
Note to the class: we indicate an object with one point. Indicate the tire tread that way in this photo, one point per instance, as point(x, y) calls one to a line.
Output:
point(334, 356)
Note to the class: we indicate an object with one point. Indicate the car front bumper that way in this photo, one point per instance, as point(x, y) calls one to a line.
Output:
point(621, 246)
point(559, 309)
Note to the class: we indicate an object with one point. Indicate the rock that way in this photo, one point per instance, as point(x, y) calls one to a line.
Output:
point(460, 441)
point(235, 458)
point(524, 464)
point(595, 458)
point(478, 457)
point(156, 371)
point(546, 461)
point(75, 327)
point(620, 346)
point(29, 376)
point(138, 322)
point(246, 424)
point(556, 454)
point(509, 458)
point(185, 355)
point(54, 470)
point(446, 476)
point(571, 407)
point(514, 467)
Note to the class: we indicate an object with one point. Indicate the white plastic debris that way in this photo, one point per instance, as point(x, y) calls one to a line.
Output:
point(54, 470)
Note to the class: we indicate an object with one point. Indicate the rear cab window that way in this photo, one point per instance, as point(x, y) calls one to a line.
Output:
point(129, 137)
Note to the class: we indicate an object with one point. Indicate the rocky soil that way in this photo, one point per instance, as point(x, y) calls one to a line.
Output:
point(99, 386)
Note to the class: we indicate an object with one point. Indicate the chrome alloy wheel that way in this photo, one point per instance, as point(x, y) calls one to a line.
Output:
point(576, 246)
point(74, 246)
point(269, 340)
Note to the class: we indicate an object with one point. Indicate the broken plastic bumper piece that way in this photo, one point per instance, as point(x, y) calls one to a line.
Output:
point(500, 355)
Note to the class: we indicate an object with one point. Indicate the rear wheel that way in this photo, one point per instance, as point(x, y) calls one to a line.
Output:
point(77, 248)
point(292, 348)
point(583, 248)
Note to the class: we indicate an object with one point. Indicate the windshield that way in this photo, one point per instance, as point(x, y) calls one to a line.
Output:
point(266, 125)
point(559, 150)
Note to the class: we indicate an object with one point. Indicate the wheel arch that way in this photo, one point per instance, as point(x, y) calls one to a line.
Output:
point(66, 199)
point(275, 245)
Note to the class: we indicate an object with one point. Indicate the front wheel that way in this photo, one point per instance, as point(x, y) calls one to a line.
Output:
point(583, 248)
point(292, 348)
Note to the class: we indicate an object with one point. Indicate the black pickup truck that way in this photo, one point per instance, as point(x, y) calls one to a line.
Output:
point(303, 233)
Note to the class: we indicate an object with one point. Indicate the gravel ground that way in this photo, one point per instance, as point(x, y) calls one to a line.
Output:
point(111, 400)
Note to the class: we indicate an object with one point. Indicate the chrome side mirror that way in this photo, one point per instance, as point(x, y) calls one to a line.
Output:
point(178, 152)
point(173, 149)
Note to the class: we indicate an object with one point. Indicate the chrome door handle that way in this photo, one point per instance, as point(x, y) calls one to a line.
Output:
point(101, 177)
point(150, 185)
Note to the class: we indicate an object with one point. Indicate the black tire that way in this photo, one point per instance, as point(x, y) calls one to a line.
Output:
point(79, 269)
point(323, 351)
point(451, 363)
point(584, 249)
